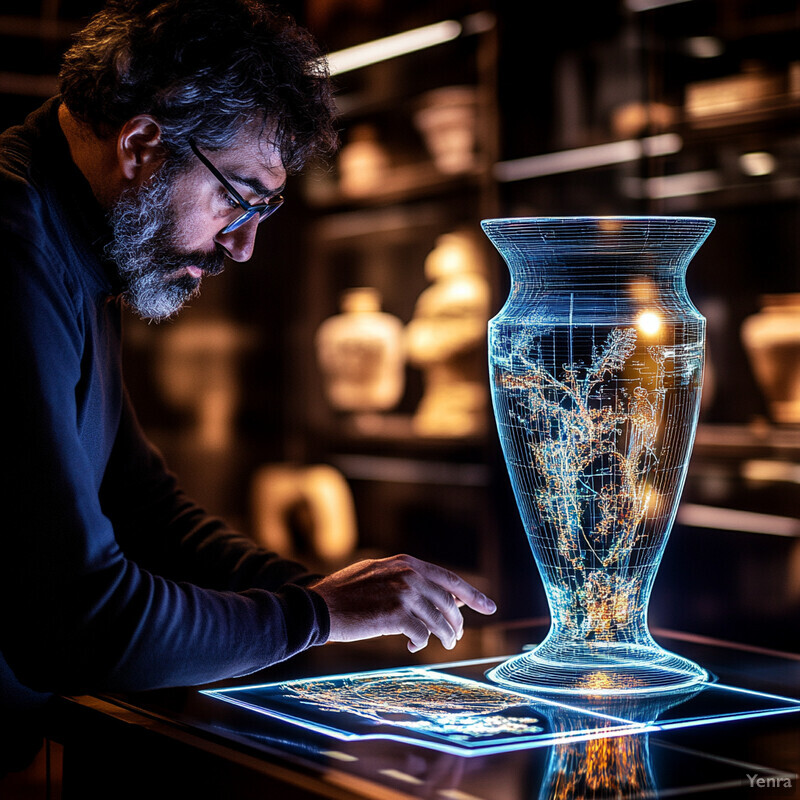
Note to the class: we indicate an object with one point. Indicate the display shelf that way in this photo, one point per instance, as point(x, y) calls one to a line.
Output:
point(406, 182)
point(759, 439)
point(378, 232)
point(377, 214)
point(779, 111)
point(391, 469)
point(587, 130)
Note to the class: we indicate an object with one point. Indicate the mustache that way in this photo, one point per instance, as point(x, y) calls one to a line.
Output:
point(212, 263)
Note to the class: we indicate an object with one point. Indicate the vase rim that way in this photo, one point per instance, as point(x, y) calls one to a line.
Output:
point(591, 218)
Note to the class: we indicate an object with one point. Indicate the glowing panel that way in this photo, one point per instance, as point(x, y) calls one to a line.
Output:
point(445, 708)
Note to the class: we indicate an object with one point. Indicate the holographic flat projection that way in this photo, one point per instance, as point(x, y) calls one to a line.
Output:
point(417, 706)
point(416, 700)
point(451, 708)
point(596, 364)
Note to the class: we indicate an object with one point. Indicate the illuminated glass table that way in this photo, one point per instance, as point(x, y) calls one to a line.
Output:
point(441, 730)
point(451, 708)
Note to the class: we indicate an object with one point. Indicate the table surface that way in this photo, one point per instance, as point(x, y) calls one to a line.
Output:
point(745, 755)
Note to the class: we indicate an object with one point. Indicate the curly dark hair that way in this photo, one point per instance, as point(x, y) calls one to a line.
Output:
point(202, 68)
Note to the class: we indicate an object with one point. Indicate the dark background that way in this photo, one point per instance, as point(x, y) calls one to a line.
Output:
point(552, 77)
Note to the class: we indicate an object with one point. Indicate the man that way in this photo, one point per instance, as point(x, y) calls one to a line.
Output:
point(176, 127)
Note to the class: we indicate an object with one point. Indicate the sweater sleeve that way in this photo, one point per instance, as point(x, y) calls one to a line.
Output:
point(159, 527)
point(80, 614)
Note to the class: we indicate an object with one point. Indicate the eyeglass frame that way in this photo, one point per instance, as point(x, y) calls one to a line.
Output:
point(263, 210)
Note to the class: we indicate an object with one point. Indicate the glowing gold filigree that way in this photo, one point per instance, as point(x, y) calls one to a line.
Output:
point(430, 704)
point(592, 451)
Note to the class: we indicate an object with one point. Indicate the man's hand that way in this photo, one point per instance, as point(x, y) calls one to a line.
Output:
point(399, 595)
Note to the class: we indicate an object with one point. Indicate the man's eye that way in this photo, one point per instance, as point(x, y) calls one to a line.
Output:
point(231, 201)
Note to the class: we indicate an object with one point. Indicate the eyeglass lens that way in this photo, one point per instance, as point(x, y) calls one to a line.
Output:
point(263, 210)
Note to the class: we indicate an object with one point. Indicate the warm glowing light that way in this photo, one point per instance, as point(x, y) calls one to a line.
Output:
point(705, 46)
point(757, 163)
point(596, 155)
point(649, 5)
point(643, 290)
point(362, 55)
point(684, 184)
point(649, 323)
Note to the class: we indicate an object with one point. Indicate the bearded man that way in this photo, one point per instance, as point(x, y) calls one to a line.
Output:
point(173, 135)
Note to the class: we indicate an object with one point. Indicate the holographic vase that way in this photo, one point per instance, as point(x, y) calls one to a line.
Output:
point(596, 363)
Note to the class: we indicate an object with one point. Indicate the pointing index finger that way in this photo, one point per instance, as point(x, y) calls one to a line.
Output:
point(464, 593)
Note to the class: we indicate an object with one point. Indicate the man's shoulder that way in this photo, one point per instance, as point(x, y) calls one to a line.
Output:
point(21, 145)
point(32, 260)
point(46, 212)
point(29, 228)
point(21, 201)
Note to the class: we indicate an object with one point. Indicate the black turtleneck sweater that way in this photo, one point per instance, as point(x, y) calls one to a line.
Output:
point(110, 577)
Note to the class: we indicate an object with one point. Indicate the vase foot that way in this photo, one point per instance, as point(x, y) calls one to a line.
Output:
point(606, 670)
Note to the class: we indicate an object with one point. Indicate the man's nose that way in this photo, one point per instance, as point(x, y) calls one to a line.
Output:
point(239, 244)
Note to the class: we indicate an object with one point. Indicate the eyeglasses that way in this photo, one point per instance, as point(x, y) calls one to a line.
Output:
point(263, 210)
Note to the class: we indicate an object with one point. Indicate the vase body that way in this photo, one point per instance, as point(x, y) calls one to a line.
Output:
point(596, 364)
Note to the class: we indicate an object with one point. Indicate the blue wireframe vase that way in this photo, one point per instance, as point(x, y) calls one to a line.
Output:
point(596, 364)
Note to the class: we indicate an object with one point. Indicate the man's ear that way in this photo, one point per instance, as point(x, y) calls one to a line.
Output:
point(139, 150)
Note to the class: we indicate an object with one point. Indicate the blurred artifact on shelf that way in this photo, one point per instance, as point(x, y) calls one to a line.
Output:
point(640, 119)
point(198, 371)
point(363, 162)
point(446, 339)
point(360, 354)
point(447, 120)
point(305, 511)
point(772, 341)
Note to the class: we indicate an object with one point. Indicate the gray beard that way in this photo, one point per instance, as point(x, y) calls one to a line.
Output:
point(144, 228)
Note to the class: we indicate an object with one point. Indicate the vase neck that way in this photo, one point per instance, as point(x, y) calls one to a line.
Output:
point(597, 251)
